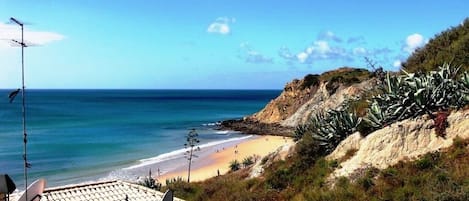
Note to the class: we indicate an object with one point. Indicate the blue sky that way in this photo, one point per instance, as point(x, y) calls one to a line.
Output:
point(208, 44)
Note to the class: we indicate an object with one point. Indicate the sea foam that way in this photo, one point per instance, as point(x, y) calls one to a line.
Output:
point(178, 153)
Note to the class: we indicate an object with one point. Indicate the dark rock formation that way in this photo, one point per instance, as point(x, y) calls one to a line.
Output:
point(249, 126)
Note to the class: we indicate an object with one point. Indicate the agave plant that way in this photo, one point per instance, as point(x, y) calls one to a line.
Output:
point(329, 128)
point(465, 80)
point(410, 95)
point(465, 86)
point(403, 96)
point(375, 117)
point(300, 131)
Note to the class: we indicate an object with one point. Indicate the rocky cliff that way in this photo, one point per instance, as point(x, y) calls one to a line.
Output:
point(323, 100)
point(314, 93)
point(293, 96)
point(302, 98)
point(405, 140)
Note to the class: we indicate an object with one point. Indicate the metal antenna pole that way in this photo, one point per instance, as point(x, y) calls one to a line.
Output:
point(25, 135)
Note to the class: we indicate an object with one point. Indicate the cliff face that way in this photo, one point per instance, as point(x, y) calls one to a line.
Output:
point(405, 140)
point(294, 95)
point(323, 100)
point(302, 98)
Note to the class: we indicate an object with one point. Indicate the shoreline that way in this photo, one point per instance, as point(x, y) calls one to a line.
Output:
point(218, 162)
point(213, 159)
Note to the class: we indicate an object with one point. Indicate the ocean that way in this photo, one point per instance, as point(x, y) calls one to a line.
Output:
point(77, 136)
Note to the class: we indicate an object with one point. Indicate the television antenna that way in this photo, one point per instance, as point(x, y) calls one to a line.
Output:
point(25, 135)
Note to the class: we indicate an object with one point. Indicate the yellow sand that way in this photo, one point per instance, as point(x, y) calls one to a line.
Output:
point(220, 161)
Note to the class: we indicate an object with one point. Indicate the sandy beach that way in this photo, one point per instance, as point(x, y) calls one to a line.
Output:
point(219, 160)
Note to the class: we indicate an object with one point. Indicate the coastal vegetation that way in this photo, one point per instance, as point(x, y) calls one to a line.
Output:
point(451, 46)
point(427, 87)
point(191, 141)
point(150, 182)
point(400, 97)
point(345, 76)
point(414, 94)
point(329, 128)
point(235, 165)
point(436, 176)
point(305, 175)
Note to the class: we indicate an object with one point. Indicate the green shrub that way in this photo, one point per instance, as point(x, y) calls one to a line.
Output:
point(460, 195)
point(248, 161)
point(443, 177)
point(389, 172)
point(449, 45)
point(174, 180)
point(366, 182)
point(365, 128)
point(280, 179)
point(460, 143)
point(307, 151)
point(424, 163)
point(181, 188)
point(235, 165)
point(460, 148)
point(149, 182)
point(310, 80)
point(334, 164)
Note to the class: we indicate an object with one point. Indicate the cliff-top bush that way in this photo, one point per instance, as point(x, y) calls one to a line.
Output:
point(451, 45)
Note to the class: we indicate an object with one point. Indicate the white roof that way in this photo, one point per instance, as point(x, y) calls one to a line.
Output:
point(103, 191)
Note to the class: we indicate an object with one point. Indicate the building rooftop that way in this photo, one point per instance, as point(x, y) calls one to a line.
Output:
point(103, 191)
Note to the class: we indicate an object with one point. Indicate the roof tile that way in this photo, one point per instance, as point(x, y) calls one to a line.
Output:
point(103, 191)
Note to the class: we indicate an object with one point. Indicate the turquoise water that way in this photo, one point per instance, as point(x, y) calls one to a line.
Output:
point(80, 135)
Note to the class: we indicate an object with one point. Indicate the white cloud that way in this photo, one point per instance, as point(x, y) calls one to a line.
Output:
point(256, 57)
point(221, 25)
point(413, 42)
point(321, 50)
point(302, 56)
point(327, 50)
point(329, 35)
point(360, 51)
point(218, 28)
point(249, 55)
point(285, 53)
point(9, 32)
point(397, 64)
point(322, 47)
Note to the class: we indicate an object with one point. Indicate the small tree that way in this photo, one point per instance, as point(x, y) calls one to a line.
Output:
point(192, 141)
